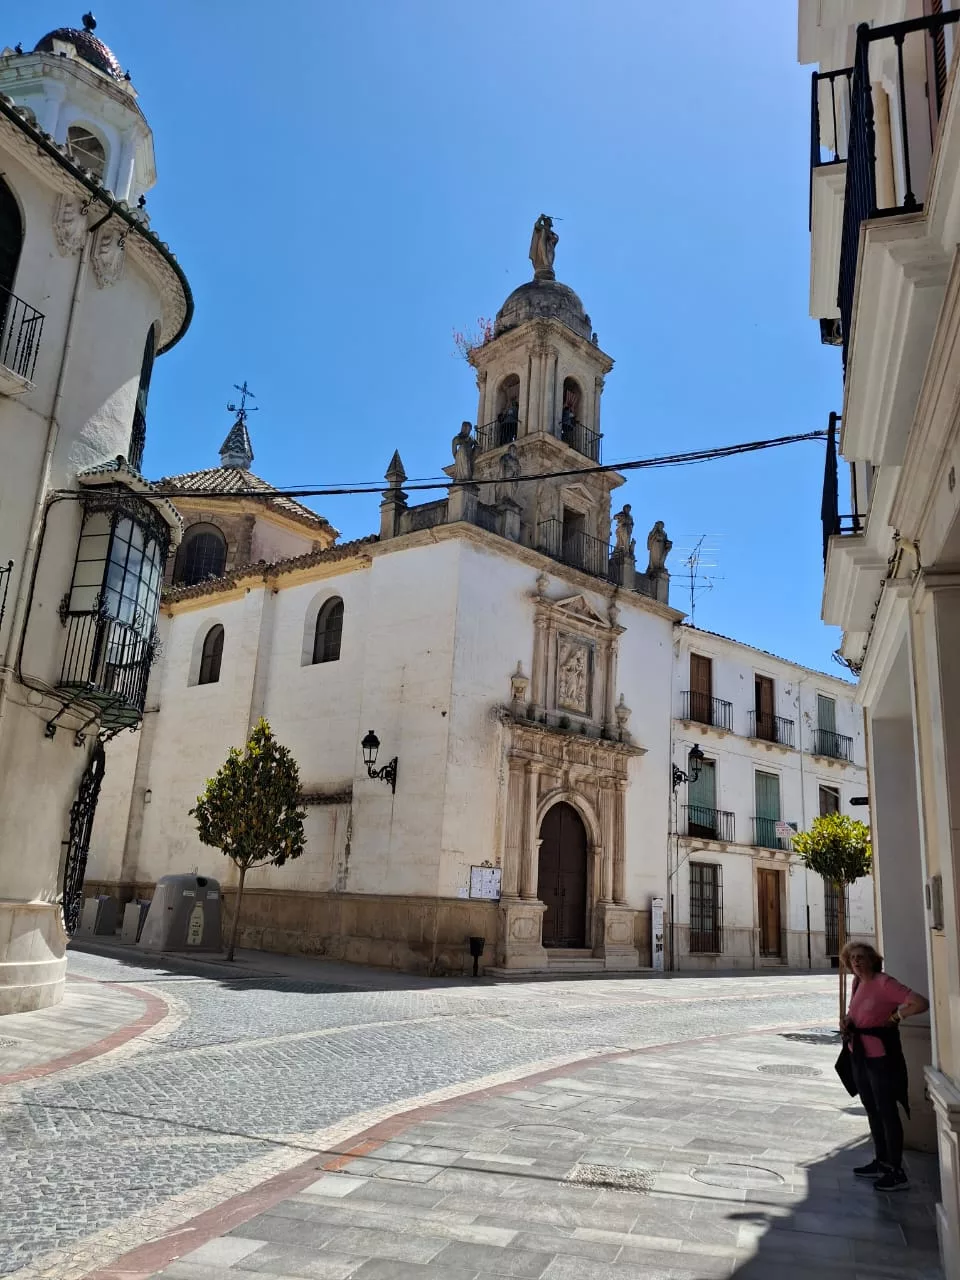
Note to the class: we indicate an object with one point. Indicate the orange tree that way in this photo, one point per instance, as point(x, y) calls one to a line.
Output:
point(837, 847)
point(250, 809)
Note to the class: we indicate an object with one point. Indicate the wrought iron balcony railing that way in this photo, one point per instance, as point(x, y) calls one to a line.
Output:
point(503, 430)
point(106, 663)
point(919, 45)
point(708, 824)
point(771, 728)
point(829, 121)
point(21, 327)
point(770, 833)
point(836, 746)
point(832, 520)
point(579, 550)
point(580, 437)
point(704, 709)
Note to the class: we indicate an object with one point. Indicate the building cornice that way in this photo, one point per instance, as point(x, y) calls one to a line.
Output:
point(543, 330)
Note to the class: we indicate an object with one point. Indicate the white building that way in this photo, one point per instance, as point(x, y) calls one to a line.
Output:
point(89, 295)
point(495, 643)
point(885, 225)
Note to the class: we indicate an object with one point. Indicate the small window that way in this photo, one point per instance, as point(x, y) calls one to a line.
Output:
point(212, 655)
point(86, 149)
point(202, 555)
point(326, 640)
point(706, 907)
point(829, 801)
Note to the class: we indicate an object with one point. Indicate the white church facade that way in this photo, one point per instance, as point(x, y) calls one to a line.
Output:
point(516, 676)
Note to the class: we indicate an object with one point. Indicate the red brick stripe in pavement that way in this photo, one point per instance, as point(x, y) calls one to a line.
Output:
point(155, 1011)
point(143, 1262)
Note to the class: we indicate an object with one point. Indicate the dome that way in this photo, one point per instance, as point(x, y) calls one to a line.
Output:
point(543, 300)
point(89, 49)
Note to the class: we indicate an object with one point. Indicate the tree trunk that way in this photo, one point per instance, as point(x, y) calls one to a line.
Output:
point(236, 914)
point(841, 942)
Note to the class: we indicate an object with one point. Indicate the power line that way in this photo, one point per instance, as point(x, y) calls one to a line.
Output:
point(637, 464)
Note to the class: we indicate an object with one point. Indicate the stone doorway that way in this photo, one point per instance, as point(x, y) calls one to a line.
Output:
point(562, 879)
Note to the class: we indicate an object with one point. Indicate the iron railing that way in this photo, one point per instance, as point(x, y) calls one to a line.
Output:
point(704, 709)
point(770, 728)
point(766, 835)
point(706, 907)
point(107, 663)
point(831, 519)
point(582, 438)
point(579, 550)
point(707, 823)
point(829, 118)
point(837, 746)
point(911, 125)
point(6, 573)
point(503, 430)
point(21, 327)
point(488, 517)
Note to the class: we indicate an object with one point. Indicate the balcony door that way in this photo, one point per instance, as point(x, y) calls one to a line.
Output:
point(11, 240)
point(701, 688)
point(702, 803)
point(763, 705)
point(768, 809)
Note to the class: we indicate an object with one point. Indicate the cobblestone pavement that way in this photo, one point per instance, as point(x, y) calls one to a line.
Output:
point(250, 1076)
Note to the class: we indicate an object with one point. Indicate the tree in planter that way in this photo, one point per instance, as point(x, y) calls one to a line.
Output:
point(837, 847)
point(251, 810)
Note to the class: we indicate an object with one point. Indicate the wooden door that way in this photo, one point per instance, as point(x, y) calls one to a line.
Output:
point(768, 910)
point(562, 882)
point(763, 703)
point(701, 688)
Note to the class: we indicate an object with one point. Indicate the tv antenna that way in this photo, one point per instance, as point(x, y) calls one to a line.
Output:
point(697, 562)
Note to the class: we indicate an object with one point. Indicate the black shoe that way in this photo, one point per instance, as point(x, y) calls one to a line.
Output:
point(872, 1170)
point(892, 1180)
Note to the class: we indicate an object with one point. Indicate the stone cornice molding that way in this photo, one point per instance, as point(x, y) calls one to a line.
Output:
point(533, 334)
point(890, 627)
point(600, 754)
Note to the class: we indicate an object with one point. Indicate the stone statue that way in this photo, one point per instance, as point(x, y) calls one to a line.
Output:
point(543, 247)
point(464, 448)
point(625, 544)
point(509, 475)
point(659, 546)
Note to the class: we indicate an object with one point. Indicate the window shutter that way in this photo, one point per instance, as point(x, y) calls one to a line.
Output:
point(826, 714)
point(768, 796)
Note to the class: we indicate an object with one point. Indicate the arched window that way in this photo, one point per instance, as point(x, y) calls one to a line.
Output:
point(508, 409)
point(86, 149)
point(326, 639)
point(202, 555)
point(138, 434)
point(212, 655)
point(11, 240)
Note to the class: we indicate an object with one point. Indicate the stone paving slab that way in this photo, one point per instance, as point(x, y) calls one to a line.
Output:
point(748, 1196)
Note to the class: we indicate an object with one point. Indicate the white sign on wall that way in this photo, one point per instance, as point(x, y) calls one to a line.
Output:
point(485, 883)
point(195, 926)
point(656, 933)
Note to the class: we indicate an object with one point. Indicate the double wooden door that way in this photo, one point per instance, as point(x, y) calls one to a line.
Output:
point(768, 911)
point(562, 881)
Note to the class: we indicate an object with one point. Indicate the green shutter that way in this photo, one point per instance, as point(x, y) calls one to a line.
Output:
point(703, 792)
point(768, 796)
point(826, 714)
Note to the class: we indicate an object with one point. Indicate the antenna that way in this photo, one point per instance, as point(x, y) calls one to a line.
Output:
point(698, 558)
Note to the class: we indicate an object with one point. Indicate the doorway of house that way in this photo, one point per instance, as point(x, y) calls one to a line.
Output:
point(562, 882)
point(768, 904)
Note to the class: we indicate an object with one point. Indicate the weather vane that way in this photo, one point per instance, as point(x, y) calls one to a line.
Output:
point(245, 392)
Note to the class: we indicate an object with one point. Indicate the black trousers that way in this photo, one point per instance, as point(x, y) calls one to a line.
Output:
point(875, 1085)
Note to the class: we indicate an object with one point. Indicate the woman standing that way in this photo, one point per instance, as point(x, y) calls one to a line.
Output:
point(872, 1037)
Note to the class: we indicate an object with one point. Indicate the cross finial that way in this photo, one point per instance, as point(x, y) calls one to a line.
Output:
point(242, 409)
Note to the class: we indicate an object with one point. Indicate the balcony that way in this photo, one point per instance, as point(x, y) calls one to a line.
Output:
point(703, 709)
point(835, 746)
point(573, 548)
point(579, 437)
point(503, 430)
point(21, 328)
point(708, 824)
point(106, 665)
point(769, 728)
point(829, 123)
point(773, 833)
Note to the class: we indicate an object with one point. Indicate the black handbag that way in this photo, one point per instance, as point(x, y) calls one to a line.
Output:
point(844, 1069)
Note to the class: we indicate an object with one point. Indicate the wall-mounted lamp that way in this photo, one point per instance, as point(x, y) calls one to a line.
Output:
point(370, 746)
point(694, 763)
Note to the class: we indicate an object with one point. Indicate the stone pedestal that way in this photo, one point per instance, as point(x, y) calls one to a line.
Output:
point(33, 963)
point(616, 936)
point(511, 520)
point(462, 503)
point(521, 924)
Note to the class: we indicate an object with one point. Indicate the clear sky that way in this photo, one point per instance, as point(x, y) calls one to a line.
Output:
point(347, 183)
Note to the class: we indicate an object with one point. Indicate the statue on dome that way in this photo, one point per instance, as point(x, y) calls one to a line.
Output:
point(543, 248)
point(659, 546)
point(464, 448)
point(625, 543)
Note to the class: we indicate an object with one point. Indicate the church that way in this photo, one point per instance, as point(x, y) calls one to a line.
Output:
point(489, 703)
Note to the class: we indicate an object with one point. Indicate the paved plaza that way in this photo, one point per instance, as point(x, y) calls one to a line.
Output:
point(323, 1121)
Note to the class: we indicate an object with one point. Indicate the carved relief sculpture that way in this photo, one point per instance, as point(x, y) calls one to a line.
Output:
point(573, 671)
point(69, 224)
point(108, 252)
point(510, 475)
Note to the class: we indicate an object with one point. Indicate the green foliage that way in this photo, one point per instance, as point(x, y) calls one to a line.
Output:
point(250, 808)
point(836, 847)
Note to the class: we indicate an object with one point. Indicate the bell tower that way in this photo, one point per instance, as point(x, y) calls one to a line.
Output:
point(540, 379)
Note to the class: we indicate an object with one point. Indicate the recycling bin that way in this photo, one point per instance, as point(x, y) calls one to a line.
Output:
point(184, 915)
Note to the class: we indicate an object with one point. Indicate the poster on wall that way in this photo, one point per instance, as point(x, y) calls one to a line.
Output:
point(485, 883)
point(656, 933)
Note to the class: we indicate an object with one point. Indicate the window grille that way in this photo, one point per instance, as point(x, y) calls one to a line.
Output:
point(203, 554)
point(706, 907)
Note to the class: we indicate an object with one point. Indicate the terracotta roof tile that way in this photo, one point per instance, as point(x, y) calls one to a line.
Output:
point(233, 481)
point(264, 569)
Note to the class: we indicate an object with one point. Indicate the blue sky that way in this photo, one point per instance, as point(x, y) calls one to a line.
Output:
point(346, 184)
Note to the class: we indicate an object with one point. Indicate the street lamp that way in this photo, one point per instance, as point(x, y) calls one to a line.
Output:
point(694, 763)
point(388, 773)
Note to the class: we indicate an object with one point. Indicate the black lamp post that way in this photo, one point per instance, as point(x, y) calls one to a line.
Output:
point(694, 762)
point(388, 773)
